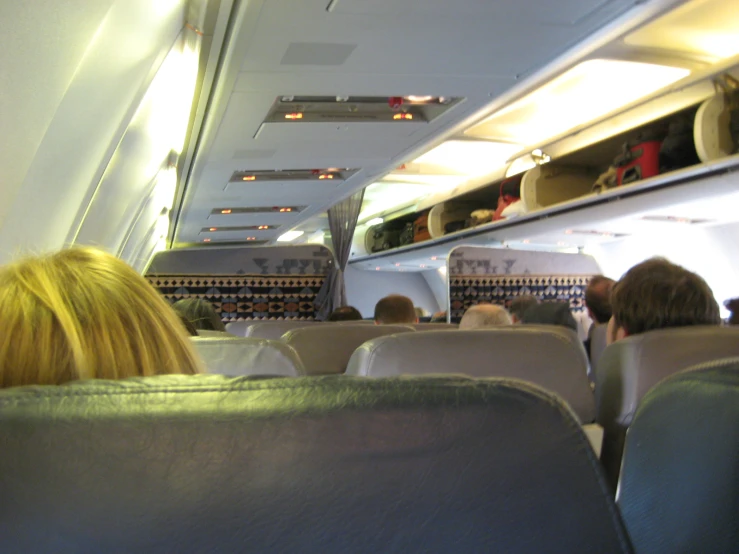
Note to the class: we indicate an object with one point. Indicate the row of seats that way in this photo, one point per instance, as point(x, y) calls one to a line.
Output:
point(275, 329)
point(343, 464)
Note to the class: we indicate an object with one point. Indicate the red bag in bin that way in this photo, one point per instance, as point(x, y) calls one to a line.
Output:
point(637, 162)
point(510, 193)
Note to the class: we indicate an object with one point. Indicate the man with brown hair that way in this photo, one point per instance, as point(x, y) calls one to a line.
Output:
point(393, 309)
point(598, 298)
point(657, 294)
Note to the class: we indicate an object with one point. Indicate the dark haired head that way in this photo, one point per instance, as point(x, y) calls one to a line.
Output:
point(551, 313)
point(395, 309)
point(598, 298)
point(657, 294)
point(345, 313)
point(520, 304)
point(200, 313)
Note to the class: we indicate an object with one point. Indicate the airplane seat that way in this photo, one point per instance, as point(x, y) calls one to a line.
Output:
point(326, 349)
point(273, 330)
point(213, 333)
point(229, 355)
point(549, 356)
point(630, 367)
point(435, 326)
point(322, 465)
point(239, 328)
point(598, 342)
point(680, 479)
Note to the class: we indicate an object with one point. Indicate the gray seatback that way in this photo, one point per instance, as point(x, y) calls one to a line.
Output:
point(435, 326)
point(238, 328)
point(550, 356)
point(630, 367)
point(212, 333)
point(273, 330)
point(326, 349)
point(312, 465)
point(247, 356)
point(680, 478)
point(598, 342)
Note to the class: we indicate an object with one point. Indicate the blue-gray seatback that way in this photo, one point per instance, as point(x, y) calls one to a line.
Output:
point(679, 488)
point(235, 356)
point(315, 465)
point(273, 330)
point(630, 367)
point(326, 349)
point(547, 355)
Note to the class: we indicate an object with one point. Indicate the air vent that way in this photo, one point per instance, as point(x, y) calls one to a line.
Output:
point(593, 233)
point(241, 228)
point(676, 219)
point(329, 174)
point(358, 109)
point(258, 210)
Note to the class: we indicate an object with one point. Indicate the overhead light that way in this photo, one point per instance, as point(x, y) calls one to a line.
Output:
point(285, 210)
point(434, 257)
point(707, 27)
point(225, 212)
point(206, 240)
point(251, 238)
point(470, 157)
point(326, 176)
point(249, 178)
point(290, 236)
point(213, 229)
point(397, 265)
point(375, 221)
point(574, 98)
point(398, 116)
point(296, 115)
point(263, 227)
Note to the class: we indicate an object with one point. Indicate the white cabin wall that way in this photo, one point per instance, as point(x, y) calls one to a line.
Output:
point(69, 113)
point(709, 251)
point(439, 285)
point(365, 288)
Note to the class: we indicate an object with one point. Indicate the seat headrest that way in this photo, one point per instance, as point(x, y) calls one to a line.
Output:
point(326, 349)
point(598, 343)
point(275, 329)
point(680, 481)
point(435, 326)
point(549, 356)
point(238, 328)
point(229, 355)
point(628, 368)
point(325, 465)
point(213, 333)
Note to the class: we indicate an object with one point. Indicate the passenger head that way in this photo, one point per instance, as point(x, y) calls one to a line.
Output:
point(657, 294)
point(439, 317)
point(200, 313)
point(551, 313)
point(484, 315)
point(395, 309)
point(84, 314)
point(733, 306)
point(598, 298)
point(420, 312)
point(189, 327)
point(345, 313)
point(519, 305)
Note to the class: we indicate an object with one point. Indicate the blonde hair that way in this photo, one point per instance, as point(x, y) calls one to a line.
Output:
point(84, 314)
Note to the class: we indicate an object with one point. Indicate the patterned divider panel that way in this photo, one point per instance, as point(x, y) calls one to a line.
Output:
point(497, 276)
point(246, 297)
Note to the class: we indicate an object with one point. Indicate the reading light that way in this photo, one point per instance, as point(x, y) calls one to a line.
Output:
point(249, 178)
point(326, 176)
point(283, 210)
point(213, 229)
point(297, 115)
point(225, 211)
point(263, 227)
point(251, 238)
point(375, 221)
point(419, 99)
point(206, 240)
point(576, 97)
point(290, 236)
point(399, 116)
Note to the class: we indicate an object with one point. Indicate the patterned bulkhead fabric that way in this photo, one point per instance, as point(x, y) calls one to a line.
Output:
point(469, 290)
point(245, 297)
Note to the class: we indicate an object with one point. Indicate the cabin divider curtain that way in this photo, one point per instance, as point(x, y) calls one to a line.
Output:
point(342, 221)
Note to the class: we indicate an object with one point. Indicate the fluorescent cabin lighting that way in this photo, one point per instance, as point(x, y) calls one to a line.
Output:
point(375, 221)
point(290, 236)
point(469, 157)
point(704, 27)
point(578, 96)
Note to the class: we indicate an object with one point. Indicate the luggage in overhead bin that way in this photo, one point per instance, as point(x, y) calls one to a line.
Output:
point(716, 130)
point(678, 148)
point(421, 228)
point(384, 236)
point(406, 235)
point(639, 160)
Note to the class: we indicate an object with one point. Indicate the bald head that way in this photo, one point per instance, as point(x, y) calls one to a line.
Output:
point(484, 315)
